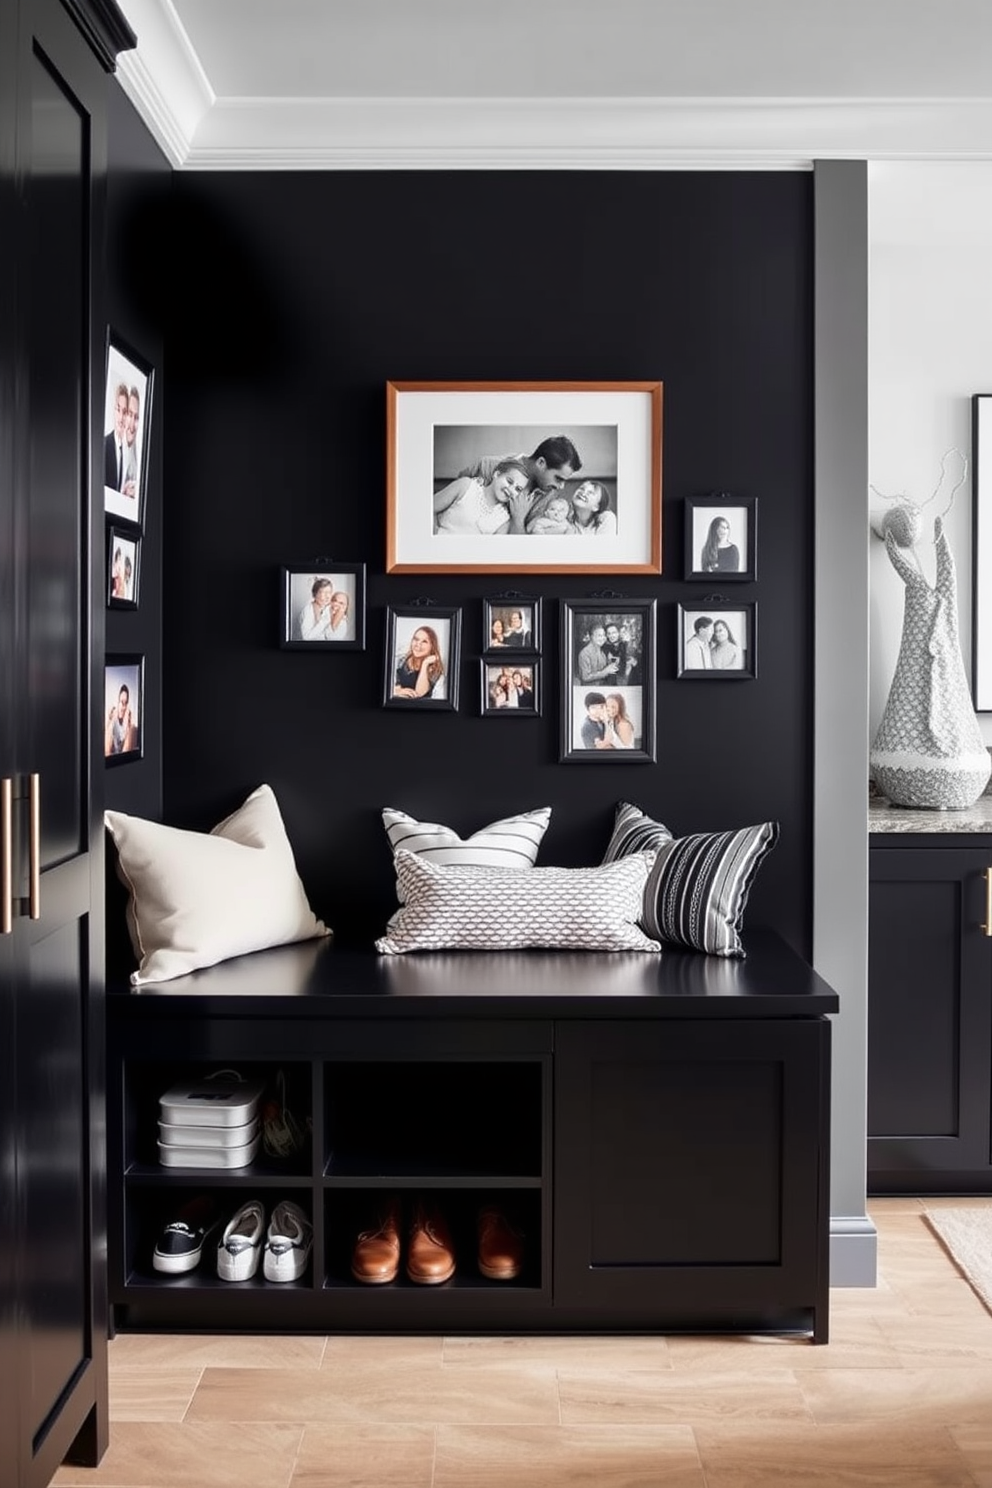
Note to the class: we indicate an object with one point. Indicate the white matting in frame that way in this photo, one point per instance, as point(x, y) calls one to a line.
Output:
point(438, 432)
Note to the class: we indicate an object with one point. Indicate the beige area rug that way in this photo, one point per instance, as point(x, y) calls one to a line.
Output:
point(967, 1236)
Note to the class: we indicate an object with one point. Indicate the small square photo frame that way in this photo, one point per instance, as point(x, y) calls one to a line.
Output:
point(323, 606)
point(510, 689)
point(422, 658)
point(123, 568)
point(716, 641)
point(127, 423)
point(511, 622)
point(721, 538)
point(608, 681)
point(123, 708)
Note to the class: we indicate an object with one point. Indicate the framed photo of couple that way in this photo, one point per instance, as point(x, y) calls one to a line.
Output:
point(127, 431)
point(716, 641)
point(511, 622)
point(721, 537)
point(509, 477)
point(608, 688)
point(123, 565)
point(323, 606)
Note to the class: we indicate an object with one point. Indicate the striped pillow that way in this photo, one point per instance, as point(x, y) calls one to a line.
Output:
point(633, 832)
point(497, 909)
point(510, 843)
point(699, 885)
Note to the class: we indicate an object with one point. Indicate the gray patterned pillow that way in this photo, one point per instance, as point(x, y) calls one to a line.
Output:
point(496, 909)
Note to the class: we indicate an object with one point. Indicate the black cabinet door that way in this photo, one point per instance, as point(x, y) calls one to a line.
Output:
point(929, 1021)
point(691, 1170)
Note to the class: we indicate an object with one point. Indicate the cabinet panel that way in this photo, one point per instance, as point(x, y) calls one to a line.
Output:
point(929, 1021)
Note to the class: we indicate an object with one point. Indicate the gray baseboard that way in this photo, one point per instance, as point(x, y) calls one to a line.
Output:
point(853, 1251)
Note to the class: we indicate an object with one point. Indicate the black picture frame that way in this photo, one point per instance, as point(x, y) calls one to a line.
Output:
point(501, 608)
point(443, 624)
point(124, 670)
point(512, 700)
point(740, 618)
point(127, 413)
point(702, 513)
point(303, 623)
point(123, 567)
point(585, 675)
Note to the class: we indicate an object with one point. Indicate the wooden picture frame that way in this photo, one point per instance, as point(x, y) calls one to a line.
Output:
point(472, 469)
point(608, 681)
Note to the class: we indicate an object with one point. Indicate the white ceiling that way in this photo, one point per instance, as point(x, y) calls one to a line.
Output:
point(560, 83)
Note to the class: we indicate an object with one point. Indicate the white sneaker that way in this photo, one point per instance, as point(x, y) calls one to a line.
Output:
point(287, 1244)
point(241, 1243)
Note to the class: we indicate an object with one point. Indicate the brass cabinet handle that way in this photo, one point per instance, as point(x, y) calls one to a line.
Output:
point(987, 927)
point(34, 847)
point(6, 856)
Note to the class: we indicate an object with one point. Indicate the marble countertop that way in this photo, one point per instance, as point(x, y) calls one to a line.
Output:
point(884, 817)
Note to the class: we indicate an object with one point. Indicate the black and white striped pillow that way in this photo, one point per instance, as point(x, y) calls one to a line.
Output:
point(498, 909)
point(510, 843)
point(698, 886)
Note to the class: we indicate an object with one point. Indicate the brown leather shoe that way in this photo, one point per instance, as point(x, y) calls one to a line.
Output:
point(376, 1255)
point(430, 1256)
point(501, 1245)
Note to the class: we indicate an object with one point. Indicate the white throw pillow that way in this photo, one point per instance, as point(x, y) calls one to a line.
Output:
point(495, 909)
point(196, 898)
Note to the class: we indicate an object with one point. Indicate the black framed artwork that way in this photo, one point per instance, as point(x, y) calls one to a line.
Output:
point(322, 606)
point(127, 423)
point(423, 656)
point(721, 537)
point(510, 689)
point(608, 686)
point(123, 568)
point(124, 708)
point(511, 622)
point(716, 640)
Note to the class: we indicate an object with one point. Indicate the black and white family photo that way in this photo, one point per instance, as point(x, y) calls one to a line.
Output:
point(716, 640)
point(422, 658)
point(323, 604)
point(609, 691)
point(127, 422)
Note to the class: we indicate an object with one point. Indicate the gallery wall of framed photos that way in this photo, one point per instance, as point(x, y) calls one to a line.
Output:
point(276, 448)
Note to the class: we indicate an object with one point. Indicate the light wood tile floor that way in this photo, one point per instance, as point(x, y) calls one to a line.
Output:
point(900, 1398)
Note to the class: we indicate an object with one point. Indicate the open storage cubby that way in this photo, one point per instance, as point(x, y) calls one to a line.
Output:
point(624, 1111)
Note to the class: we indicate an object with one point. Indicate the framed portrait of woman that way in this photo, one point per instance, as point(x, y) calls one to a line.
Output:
point(124, 708)
point(721, 538)
point(323, 606)
point(423, 654)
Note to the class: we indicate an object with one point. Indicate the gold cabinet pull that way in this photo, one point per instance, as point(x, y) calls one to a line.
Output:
point(987, 927)
point(34, 847)
point(6, 856)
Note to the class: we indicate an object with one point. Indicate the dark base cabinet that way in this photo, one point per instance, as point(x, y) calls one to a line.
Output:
point(657, 1128)
point(929, 1017)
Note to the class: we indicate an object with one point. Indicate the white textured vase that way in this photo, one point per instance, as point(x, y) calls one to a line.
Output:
point(929, 750)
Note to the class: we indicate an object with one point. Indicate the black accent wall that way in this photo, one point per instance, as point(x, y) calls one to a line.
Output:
point(286, 303)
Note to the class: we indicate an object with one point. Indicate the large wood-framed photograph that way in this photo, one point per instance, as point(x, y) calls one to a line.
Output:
point(323, 606)
point(124, 708)
point(981, 464)
point(721, 537)
point(123, 564)
point(510, 689)
point(716, 641)
point(608, 686)
point(511, 622)
point(423, 654)
point(505, 477)
point(127, 427)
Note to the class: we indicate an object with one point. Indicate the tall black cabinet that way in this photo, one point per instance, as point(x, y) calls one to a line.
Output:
point(54, 64)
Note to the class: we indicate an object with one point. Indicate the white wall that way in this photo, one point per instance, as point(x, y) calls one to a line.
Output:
point(929, 350)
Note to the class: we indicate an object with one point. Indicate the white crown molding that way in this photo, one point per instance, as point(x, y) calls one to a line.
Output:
point(163, 78)
point(543, 134)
